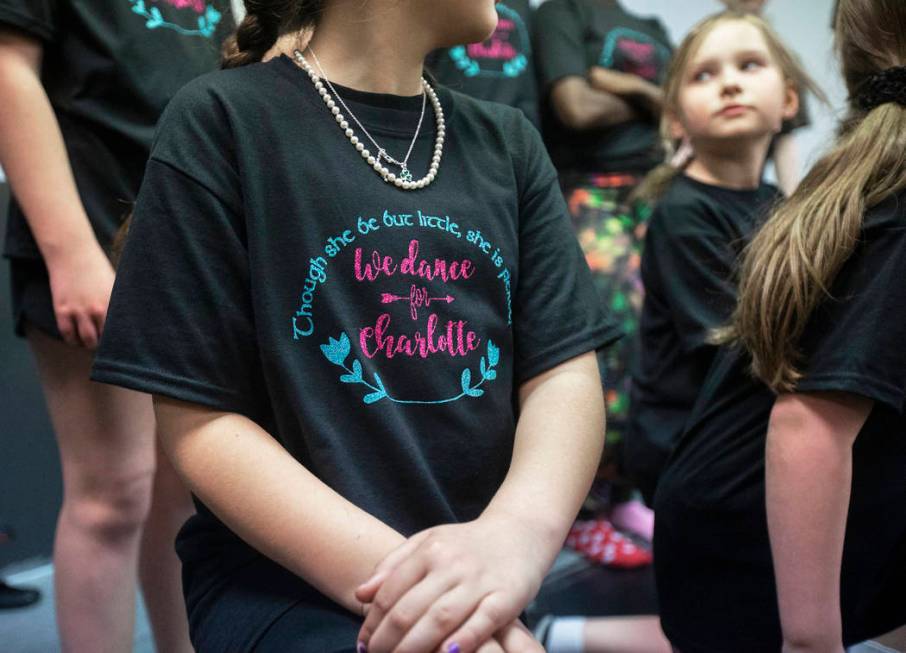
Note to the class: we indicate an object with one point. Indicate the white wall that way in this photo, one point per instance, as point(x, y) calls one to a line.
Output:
point(804, 25)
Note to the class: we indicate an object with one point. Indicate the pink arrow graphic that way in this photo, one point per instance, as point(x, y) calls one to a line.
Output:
point(417, 298)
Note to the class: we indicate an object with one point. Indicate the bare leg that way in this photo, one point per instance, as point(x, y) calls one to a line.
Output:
point(625, 635)
point(105, 436)
point(159, 566)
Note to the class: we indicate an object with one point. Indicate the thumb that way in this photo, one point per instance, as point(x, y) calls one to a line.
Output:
point(367, 590)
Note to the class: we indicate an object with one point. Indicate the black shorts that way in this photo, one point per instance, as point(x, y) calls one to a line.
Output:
point(32, 302)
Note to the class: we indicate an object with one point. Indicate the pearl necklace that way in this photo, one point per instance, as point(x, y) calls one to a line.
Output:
point(404, 180)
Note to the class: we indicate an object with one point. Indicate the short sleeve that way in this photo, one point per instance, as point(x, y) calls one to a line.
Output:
point(557, 313)
point(180, 320)
point(559, 48)
point(39, 18)
point(856, 341)
point(689, 261)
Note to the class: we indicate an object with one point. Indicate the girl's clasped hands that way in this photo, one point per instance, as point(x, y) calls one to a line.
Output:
point(455, 588)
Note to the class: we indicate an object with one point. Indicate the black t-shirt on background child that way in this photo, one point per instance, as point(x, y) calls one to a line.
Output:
point(109, 68)
point(712, 552)
point(694, 239)
point(379, 335)
point(499, 69)
point(571, 36)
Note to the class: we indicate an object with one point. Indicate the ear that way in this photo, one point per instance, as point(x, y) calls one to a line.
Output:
point(790, 102)
point(675, 125)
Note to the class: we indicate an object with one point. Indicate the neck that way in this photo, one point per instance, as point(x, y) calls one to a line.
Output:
point(373, 47)
point(738, 167)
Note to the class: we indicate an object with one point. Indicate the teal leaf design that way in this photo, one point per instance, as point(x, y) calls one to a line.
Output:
point(355, 376)
point(139, 7)
point(493, 354)
point(336, 351)
point(466, 380)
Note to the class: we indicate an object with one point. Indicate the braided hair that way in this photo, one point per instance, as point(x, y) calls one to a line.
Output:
point(265, 21)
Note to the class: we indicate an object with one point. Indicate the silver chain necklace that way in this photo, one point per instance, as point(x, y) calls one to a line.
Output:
point(382, 153)
point(404, 180)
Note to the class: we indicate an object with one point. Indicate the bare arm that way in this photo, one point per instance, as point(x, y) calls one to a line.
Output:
point(808, 477)
point(34, 158)
point(581, 107)
point(32, 151)
point(629, 87)
point(461, 583)
point(556, 453)
point(271, 501)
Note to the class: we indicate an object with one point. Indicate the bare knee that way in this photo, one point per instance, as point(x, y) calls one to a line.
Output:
point(113, 508)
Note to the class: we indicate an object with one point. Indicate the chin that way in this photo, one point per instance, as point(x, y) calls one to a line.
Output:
point(464, 21)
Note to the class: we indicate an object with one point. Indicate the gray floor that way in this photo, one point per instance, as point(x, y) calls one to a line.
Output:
point(32, 629)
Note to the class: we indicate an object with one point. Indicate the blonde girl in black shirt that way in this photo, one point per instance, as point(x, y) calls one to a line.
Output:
point(729, 89)
point(780, 514)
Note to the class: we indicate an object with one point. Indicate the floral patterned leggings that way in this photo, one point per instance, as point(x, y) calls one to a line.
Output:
point(611, 232)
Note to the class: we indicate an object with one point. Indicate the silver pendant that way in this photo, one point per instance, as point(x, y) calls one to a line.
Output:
point(405, 175)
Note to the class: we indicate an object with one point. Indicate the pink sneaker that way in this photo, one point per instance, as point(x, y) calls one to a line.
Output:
point(634, 517)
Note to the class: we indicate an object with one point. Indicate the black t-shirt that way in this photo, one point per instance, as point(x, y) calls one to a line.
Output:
point(571, 36)
point(499, 69)
point(109, 68)
point(379, 335)
point(694, 239)
point(712, 551)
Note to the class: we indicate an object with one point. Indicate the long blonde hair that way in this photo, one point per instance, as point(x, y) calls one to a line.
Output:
point(656, 182)
point(795, 257)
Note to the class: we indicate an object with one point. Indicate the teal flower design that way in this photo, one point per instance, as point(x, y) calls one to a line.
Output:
point(207, 24)
point(336, 351)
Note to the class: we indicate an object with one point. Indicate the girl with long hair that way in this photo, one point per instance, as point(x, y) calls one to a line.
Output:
point(731, 85)
point(779, 516)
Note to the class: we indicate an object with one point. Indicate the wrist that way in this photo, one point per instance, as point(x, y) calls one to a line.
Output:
point(546, 534)
point(824, 645)
point(817, 639)
point(63, 249)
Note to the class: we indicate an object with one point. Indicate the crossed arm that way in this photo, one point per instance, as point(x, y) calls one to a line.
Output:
point(604, 98)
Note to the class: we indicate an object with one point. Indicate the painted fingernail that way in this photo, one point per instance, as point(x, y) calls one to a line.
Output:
point(453, 648)
point(361, 648)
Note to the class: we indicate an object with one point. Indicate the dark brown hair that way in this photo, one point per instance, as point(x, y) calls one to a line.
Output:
point(265, 21)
